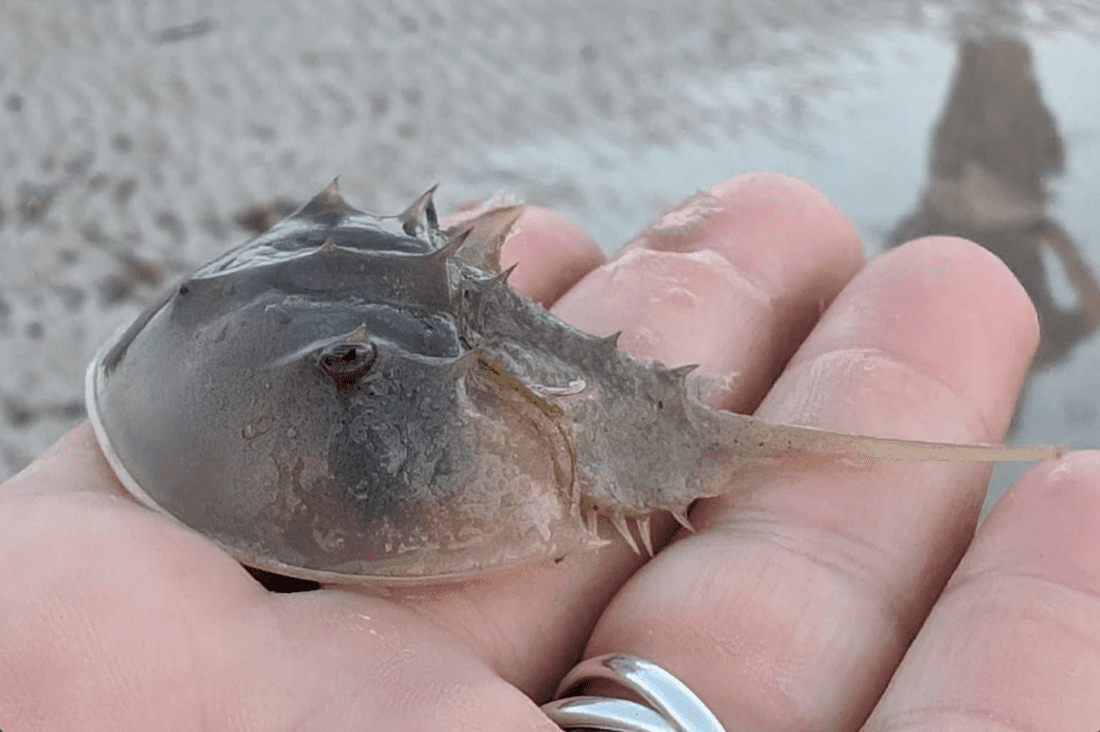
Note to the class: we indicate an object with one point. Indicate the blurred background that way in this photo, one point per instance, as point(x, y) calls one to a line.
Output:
point(140, 138)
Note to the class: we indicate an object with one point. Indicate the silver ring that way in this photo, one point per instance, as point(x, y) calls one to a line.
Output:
point(672, 707)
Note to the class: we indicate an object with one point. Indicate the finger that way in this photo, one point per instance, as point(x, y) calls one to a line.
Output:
point(798, 596)
point(74, 464)
point(532, 624)
point(733, 280)
point(1014, 642)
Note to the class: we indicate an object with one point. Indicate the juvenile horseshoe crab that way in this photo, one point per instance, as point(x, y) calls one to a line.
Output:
point(352, 398)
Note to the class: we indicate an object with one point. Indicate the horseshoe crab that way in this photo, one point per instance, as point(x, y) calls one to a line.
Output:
point(352, 398)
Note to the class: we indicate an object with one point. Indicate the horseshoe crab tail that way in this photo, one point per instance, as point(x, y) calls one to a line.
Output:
point(744, 437)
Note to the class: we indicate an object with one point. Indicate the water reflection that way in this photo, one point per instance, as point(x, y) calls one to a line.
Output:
point(994, 152)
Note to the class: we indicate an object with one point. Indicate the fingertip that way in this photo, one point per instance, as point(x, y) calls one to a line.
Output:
point(551, 254)
point(1014, 634)
point(771, 226)
point(777, 206)
point(1047, 525)
point(945, 308)
point(992, 325)
point(989, 273)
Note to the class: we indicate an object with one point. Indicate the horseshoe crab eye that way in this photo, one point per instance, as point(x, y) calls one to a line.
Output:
point(347, 363)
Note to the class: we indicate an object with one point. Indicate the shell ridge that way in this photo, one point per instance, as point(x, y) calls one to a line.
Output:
point(327, 207)
point(422, 206)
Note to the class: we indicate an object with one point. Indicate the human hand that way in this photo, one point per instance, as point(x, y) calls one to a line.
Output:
point(791, 607)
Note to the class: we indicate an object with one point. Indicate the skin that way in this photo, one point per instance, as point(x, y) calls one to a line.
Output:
point(823, 597)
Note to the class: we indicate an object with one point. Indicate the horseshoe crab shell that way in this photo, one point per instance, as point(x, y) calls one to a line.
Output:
point(354, 398)
point(311, 403)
